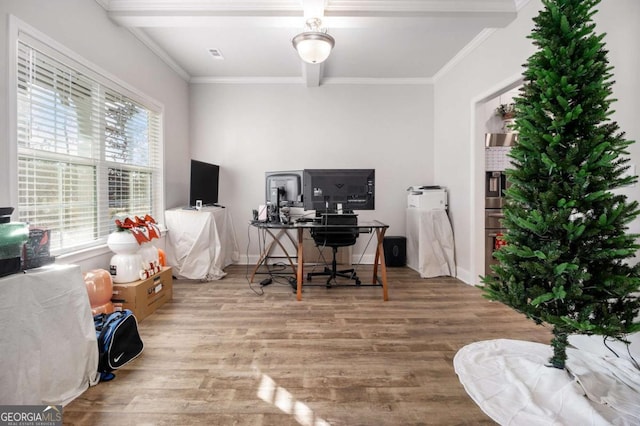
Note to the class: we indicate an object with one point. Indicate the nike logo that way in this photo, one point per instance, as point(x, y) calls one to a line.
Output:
point(116, 359)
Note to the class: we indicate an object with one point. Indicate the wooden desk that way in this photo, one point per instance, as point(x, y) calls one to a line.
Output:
point(364, 227)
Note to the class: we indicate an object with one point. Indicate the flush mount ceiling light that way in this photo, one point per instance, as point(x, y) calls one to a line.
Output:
point(313, 45)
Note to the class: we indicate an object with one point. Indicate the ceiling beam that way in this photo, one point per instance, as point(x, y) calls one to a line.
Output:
point(421, 6)
point(291, 14)
point(313, 8)
point(330, 20)
point(202, 5)
point(312, 74)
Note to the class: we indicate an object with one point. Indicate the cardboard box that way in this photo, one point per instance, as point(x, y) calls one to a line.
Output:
point(145, 296)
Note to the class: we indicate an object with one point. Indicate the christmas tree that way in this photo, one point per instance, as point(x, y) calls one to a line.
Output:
point(566, 262)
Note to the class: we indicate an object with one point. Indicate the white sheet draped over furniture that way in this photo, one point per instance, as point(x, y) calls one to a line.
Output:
point(430, 246)
point(200, 244)
point(510, 382)
point(48, 348)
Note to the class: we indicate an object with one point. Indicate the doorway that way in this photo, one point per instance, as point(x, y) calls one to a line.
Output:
point(486, 160)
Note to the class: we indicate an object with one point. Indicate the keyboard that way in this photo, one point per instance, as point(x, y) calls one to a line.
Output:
point(306, 219)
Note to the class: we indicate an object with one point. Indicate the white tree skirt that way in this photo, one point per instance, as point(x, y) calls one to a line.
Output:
point(511, 382)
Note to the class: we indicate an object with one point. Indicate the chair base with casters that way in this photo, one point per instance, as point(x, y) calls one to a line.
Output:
point(333, 272)
point(338, 235)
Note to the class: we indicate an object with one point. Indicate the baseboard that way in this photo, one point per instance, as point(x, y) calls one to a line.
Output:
point(367, 259)
point(464, 276)
point(461, 274)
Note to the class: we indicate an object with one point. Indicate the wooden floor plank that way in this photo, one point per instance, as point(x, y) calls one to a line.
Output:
point(220, 354)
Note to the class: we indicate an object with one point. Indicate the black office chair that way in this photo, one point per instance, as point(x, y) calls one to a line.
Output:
point(334, 237)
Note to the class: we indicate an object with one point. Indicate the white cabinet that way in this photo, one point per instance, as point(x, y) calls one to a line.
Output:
point(430, 246)
point(200, 244)
point(48, 348)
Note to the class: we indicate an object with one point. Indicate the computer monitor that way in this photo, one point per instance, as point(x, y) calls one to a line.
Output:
point(204, 183)
point(284, 188)
point(329, 190)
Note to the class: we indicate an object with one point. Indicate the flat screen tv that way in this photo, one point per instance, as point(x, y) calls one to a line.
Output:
point(328, 190)
point(284, 188)
point(204, 183)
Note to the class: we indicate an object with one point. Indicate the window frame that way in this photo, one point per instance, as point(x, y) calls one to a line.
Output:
point(19, 31)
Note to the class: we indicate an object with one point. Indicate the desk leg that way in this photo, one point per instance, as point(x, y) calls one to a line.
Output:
point(300, 274)
point(262, 258)
point(275, 239)
point(383, 267)
point(286, 253)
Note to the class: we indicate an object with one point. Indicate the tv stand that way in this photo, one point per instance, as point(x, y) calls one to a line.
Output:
point(204, 206)
point(200, 243)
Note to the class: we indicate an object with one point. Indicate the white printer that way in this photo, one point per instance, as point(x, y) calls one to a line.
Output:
point(427, 197)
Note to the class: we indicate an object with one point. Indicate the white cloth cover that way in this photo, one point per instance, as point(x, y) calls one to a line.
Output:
point(48, 347)
point(430, 247)
point(200, 244)
point(510, 382)
point(596, 345)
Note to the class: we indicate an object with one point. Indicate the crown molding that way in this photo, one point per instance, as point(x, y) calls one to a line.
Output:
point(203, 5)
point(247, 80)
point(420, 6)
point(520, 4)
point(103, 3)
point(378, 81)
point(323, 82)
point(379, 6)
point(477, 41)
point(470, 47)
point(142, 36)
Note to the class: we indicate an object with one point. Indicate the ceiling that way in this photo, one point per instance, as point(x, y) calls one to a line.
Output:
point(377, 41)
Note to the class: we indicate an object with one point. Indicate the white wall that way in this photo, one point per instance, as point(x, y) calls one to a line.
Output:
point(251, 129)
point(409, 134)
point(83, 27)
point(493, 66)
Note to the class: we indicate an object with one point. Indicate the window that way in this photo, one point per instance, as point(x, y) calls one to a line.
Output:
point(89, 151)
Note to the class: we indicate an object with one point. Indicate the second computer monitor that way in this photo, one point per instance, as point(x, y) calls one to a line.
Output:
point(284, 188)
point(335, 189)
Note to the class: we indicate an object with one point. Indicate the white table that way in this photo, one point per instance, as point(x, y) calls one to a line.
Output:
point(200, 243)
point(48, 348)
point(430, 246)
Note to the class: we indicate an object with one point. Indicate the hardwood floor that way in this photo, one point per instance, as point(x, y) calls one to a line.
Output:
point(219, 354)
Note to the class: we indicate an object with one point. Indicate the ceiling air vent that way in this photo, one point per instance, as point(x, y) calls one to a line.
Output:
point(216, 53)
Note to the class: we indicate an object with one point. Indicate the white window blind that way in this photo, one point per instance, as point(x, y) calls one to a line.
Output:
point(87, 152)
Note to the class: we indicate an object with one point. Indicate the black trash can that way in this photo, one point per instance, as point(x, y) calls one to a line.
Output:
point(395, 251)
